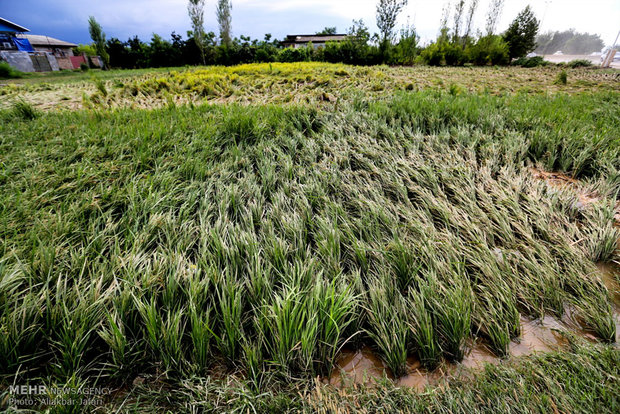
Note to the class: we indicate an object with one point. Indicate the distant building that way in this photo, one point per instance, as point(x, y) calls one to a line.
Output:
point(58, 48)
point(297, 41)
point(37, 53)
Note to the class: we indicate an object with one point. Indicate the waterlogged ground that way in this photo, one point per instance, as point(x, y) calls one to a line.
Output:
point(287, 83)
point(548, 334)
point(439, 239)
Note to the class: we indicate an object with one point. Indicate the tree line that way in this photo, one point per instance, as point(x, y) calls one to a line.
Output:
point(569, 42)
point(457, 42)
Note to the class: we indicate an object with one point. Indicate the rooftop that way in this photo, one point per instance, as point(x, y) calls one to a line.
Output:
point(301, 38)
point(6, 24)
point(40, 40)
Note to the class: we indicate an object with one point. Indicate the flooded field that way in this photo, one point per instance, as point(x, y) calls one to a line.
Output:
point(235, 239)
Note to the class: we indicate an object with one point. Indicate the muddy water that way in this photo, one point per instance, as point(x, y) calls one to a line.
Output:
point(540, 335)
point(478, 355)
point(364, 366)
point(419, 378)
point(610, 275)
point(360, 367)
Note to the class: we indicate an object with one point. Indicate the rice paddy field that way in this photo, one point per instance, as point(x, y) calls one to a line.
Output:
point(311, 237)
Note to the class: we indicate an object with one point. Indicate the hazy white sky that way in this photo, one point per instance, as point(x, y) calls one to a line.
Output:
point(123, 18)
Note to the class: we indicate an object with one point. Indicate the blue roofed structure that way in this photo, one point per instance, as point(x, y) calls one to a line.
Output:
point(33, 53)
point(10, 27)
point(8, 30)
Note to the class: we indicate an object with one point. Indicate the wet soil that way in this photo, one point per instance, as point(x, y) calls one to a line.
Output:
point(364, 366)
point(610, 276)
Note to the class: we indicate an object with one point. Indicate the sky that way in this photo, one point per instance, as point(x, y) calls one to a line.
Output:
point(67, 19)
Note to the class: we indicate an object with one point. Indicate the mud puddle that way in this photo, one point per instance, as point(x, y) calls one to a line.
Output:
point(364, 366)
point(610, 276)
point(540, 335)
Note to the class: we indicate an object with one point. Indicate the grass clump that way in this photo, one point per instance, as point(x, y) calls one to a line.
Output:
point(531, 62)
point(24, 110)
point(562, 78)
point(387, 325)
point(100, 85)
point(423, 328)
point(8, 72)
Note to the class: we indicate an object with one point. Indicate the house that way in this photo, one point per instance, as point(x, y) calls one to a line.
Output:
point(58, 48)
point(36, 53)
point(8, 31)
point(317, 40)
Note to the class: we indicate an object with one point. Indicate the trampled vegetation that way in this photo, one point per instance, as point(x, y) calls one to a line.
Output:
point(287, 83)
point(220, 256)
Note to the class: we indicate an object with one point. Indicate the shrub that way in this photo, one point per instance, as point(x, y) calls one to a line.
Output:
point(579, 63)
point(7, 71)
point(488, 50)
point(84, 67)
point(433, 55)
point(562, 78)
point(531, 62)
point(350, 52)
point(454, 54)
point(406, 50)
point(290, 54)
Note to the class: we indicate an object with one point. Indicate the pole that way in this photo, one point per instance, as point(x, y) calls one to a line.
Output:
point(610, 53)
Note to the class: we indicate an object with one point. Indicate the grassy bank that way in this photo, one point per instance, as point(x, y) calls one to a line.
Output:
point(188, 243)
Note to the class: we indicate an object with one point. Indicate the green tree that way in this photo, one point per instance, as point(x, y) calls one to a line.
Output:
point(358, 32)
point(195, 9)
point(98, 37)
point(327, 31)
point(224, 19)
point(387, 13)
point(406, 49)
point(88, 49)
point(521, 34)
